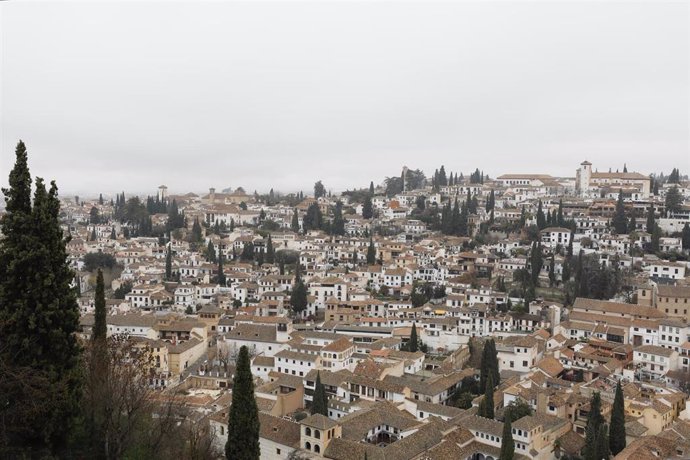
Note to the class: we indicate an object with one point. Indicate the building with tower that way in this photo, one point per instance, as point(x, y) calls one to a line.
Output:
point(162, 192)
point(590, 183)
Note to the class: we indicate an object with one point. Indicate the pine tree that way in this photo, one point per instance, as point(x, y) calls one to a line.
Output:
point(620, 220)
point(371, 252)
point(617, 428)
point(413, 344)
point(507, 442)
point(37, 325)
point(243, 421)
point(320, 402)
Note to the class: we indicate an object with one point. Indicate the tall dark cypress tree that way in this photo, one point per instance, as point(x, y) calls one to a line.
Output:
point(371, 188)
point(486, 408)
point(620, 220)
point(507, 442)
point(294, 226)
point(367, 208)
point(211, 252)
point(651, 222)
point(221, 274)
point(168, 262)
point(243, 421)
point(593, 432)
point(617, 429)
point(99, 326)
point(371, 252)
point(270, 252)
point(338, 226)
point(413, 344)
point(39, 315)
point(489, 365)
point(541, 218)
point(320, 403)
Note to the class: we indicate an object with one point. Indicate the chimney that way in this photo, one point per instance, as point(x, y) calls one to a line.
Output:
point(212, 194)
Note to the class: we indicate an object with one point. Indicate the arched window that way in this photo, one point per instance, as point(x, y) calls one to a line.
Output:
point(307, 445)
point(317, 448)
point(308, 431)
point(317, 434)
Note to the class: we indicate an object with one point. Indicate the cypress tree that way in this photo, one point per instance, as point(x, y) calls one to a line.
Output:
point(541, 218)
point(294, 226)
point(93, 234)
point(243, 421)
point(489, 365)
point(371, 188)
point(593, 430)
point(651, 223)
point(39, 315)
point(320, 402)
point(221, 273)
point(371, 252)
point(367, 208)
point(211, 252)
point(620, 220)
point(168, 262)
point(487, 406)
point(338, 227)
point(196, 231)
point(685, 237)
point(298, 296)
point(270, 252)
point(632, 223)
point(617, 429)
point(113, 235)
point(99, 327)
point(559, 216)
point(507, 442)
point(536, 263)
point(413, 344)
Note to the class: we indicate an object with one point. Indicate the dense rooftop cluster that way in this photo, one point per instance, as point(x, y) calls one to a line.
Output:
point(418, 319)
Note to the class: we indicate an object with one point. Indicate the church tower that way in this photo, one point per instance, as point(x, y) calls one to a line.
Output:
point(583, 177)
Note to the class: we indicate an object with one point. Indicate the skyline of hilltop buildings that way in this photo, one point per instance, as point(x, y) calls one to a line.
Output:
point(372, 315)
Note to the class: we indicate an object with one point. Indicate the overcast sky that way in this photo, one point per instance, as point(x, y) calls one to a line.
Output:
point(124, 96)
